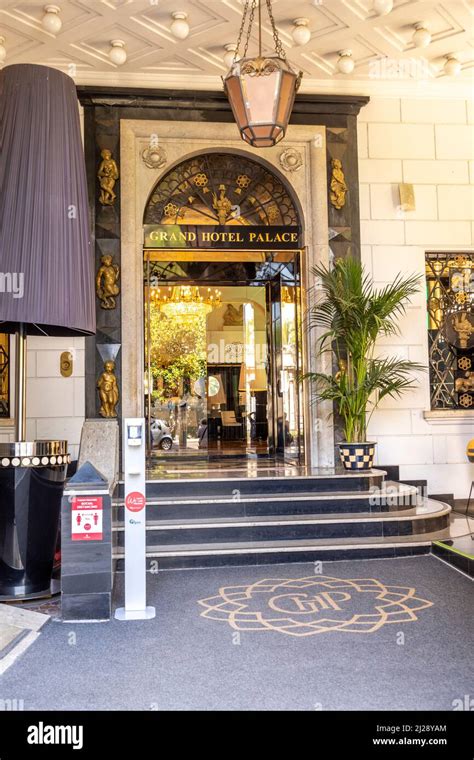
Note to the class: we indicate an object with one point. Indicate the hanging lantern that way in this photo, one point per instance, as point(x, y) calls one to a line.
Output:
point(261, 90)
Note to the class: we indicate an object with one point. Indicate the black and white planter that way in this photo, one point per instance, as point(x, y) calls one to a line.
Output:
point(357, 456)
point(32, 476)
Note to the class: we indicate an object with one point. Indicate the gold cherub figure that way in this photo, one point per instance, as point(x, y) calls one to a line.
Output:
point(465, 384)
point(462, 325)
point(108, 174)
point(108, 390)
point(106, 282)
point(222, 205)
point(338, 184)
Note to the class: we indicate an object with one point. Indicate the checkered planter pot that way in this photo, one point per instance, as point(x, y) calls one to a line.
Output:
point(357, 456)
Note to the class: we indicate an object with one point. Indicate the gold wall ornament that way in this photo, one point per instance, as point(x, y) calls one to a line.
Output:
point(108, 174)
point(201, 180)
point(108, 390)
point(154, 157)
point(66, 364)
point(338, 184)
point(342, 364)
point(106, 282)
point(463, 327)
point(222, 205)
point(242, 182)
point(291, 160)
point(466, 383)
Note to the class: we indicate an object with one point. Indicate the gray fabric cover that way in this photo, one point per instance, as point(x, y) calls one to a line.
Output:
point(44, 223)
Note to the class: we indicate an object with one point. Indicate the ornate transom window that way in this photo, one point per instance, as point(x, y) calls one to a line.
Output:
point(4, 376)
point(220, 188)
point(450, 293)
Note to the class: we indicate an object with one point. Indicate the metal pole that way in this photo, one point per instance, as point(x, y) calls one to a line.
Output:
point(20, 390)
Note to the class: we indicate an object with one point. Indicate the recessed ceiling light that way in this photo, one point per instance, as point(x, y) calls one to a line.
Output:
point(180, 27)
point(117, 52)
point(51, 21)
point(301, 33)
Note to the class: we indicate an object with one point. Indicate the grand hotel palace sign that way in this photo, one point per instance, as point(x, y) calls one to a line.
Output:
point(215, 236)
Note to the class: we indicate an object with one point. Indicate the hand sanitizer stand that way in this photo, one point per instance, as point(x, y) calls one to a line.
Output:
point(135, 523)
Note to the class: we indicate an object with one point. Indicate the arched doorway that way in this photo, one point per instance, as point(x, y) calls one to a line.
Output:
point(223, 348)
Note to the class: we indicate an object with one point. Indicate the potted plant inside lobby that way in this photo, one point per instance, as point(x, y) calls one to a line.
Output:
point(351, 315)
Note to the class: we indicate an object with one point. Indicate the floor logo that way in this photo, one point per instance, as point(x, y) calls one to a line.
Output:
point(307, 606)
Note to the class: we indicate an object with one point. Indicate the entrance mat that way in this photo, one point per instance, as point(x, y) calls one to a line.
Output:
point(400, 640)
point(19, 629)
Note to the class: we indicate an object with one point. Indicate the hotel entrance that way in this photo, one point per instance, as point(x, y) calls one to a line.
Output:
point(222, 313)
point(223, 356)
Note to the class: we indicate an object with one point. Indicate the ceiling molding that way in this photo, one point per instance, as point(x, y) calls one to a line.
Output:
point(386, 62)
point(374, 88)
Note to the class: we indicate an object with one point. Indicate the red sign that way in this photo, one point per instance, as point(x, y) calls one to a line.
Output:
point(135, 501)
point(86, 518)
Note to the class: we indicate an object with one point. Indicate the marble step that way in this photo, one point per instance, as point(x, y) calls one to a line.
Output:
point(428, 516)
point(291, 481)
point(391, 497)
point(276, 552)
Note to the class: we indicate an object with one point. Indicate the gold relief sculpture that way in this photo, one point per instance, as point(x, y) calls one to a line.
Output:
point(106, 282)
point(108, 390)
point(342, 364)
point(463, 327)
point(338, 184)
point(108, 174)
point(222, 205)
point(465, 384)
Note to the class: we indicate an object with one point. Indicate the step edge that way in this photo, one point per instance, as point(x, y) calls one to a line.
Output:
point(362, 517)
point(332, 476)
point(404, 491)
point(275, 549)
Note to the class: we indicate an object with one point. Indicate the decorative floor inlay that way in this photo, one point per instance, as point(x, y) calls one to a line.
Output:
point(311, 605)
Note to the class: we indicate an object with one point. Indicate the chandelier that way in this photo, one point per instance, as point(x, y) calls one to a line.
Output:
point(261, 90)
point(186, 300)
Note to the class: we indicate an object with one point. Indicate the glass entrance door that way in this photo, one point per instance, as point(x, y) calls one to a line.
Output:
point(222, 360)
point(284, 330)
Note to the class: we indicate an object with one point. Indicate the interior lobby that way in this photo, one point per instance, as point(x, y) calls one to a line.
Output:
point(237, 357)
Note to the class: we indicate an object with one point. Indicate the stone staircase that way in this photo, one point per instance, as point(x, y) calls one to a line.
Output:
point(205, 522)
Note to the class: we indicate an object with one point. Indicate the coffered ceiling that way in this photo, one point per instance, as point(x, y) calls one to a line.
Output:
point(386, 59)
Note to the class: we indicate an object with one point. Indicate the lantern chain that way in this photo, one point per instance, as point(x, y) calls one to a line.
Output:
point(278, 46)
point(242, 25)
point(249, 30)
point(249, 9)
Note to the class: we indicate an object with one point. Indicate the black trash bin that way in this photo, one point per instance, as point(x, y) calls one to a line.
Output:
point(32, 476)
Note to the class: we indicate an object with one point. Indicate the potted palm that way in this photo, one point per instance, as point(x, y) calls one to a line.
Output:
point(351, 314)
